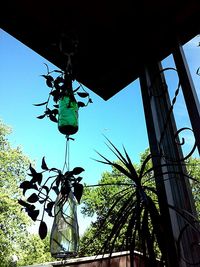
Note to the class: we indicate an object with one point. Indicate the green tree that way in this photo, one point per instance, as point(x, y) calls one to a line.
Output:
point(13, 222)
point(14, 236)
point(97, 201)
point(34, 250)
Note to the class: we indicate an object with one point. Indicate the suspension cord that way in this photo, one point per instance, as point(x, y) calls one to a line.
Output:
point(66, 160)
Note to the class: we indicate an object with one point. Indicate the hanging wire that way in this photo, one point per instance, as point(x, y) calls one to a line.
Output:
point(66, 160)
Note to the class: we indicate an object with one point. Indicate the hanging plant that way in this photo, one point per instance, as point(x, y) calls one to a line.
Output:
point(65, 105)
point(57, 188)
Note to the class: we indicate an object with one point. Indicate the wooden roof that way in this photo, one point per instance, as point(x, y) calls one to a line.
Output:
point(115, 38)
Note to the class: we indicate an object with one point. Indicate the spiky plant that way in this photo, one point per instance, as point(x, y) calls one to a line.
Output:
point(134, 213)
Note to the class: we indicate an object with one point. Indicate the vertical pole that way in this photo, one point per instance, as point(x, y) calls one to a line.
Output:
point(173, 188)
point(189, 92)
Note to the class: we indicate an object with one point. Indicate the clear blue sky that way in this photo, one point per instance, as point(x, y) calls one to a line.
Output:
point(121, 118)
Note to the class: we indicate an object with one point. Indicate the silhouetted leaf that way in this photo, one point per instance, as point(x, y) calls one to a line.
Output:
point(79, 179)
point(42, 230)
point(37, 178)
point(27, 185)
point(55, 189)
point(90, 100)
point(49, 80)
point(53, 118)
point(33, 171)
point(46, 189)
point(25, 204)
point(33, 198)
point(49, 208)
point(44, 165)
point(56, 106)
point(33, 214)
point(41, 104)
point(81, 104)
point(59, 83)
point(60, 71)
point(54, 111)
point(77, 170)
point(65, 190)
point(83, 94)
point(78, 191)
point(41, 116)
point(75, 90)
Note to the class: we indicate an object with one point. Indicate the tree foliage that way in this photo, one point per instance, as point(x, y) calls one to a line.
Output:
point(14, 236)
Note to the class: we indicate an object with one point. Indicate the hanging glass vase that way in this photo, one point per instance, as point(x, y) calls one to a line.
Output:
point(64, 239)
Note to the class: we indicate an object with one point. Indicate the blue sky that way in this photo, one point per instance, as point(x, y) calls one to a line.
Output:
point(121, 118)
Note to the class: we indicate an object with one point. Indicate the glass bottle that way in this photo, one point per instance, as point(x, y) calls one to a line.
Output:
point(64, 239)
point(68, 109)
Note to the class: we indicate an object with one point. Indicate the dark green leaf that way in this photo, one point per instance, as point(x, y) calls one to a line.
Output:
point(78, 191)
point(33, 198)
point(83, 94)
point(44, 165)
point(77, 170)
point(42, 230)
point(41, 116)
point(41, 104)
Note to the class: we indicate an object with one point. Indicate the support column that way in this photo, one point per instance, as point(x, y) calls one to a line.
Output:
point(189, 92)
point(172, 185)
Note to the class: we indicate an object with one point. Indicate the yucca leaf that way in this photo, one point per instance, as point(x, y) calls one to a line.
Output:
point(149, 157)
point(130, 166)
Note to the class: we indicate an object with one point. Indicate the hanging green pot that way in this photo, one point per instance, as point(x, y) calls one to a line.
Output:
point(68, 115)
point(64, 239)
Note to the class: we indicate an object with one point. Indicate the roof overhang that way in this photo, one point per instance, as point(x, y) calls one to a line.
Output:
point(116, 38)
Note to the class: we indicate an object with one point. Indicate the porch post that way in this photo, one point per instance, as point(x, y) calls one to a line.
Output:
point(173, 188)
point(189, 92)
